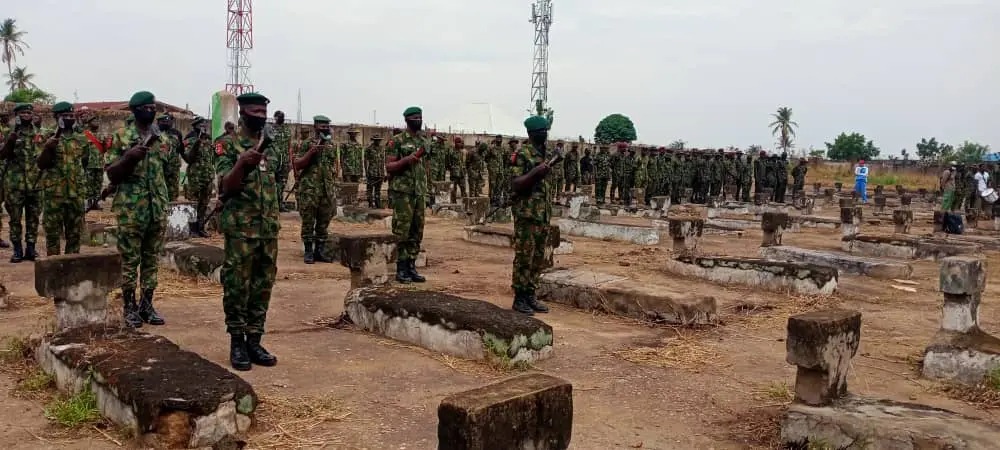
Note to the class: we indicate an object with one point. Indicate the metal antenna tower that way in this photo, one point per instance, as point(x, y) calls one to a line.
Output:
point(239, 41)
point(541, 16)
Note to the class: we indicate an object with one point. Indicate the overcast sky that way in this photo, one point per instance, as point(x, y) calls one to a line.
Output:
point(709, 72)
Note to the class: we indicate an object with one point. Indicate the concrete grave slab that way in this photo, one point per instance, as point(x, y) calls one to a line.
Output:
point(194, 260)
point(594, 291)
point(146, 384)
point(448, 210)
point(371, 258)
point(476, 209)
point(179, 219)
point(445, 323)
point(356, 214)
point(828, 223)
point(504, 237)
point(533, 411)
point(597, 230)
point(441, 191)
point(821, 344)
point(793, 276)
point(347, 194)
point(849, 264)
point(79, 285)
point(905, 247)
point(96, 234)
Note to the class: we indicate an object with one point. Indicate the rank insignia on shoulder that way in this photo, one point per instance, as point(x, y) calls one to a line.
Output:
point(218, 149)
point(513, 157)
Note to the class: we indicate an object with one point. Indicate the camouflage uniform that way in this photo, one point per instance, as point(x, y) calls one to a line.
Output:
point(4, 129)
point(436, 156)
point(587, 168)
point(315, 194)
point(759, 173)
point(249, 222)
point(408, 194)
point(799, 178)
point(641, 174)
point(716, 175)
point(200, 172)
point(617, 158)
point(677, 171)
point(455, 163)
point(172, 170)
point(141, 204)
point(374, 172)
point(771, 176)
point(602, 171)
point(572, 169)
point(279, 157)
point(781, 178)
point(350, 161)
point(629, 166)
point(23, 196)
point(558, 177)
point(474, 168)
point(532, 213)
point(494, 165)
point(745, 169)
point(64, 192)
point(93, 164)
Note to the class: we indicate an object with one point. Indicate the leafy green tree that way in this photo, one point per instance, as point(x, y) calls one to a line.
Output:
point(784, 127)
point(20, 78)
point(11, 44)
point(30, 95)
point(851, 147)
point(929, 149)
point(971, 152)
point(755, 149)
point(817, 152)
point(614, 128)
point(678, 144)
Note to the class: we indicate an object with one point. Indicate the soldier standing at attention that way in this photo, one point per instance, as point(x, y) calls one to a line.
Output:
point(503, 173)
point(587, 168)
point(799, 177)
point(532, 211)
point(494, 165)
point(137, 164)
point(250, 224)
point(455, 163)
point(781, 178)
point(173, 169)
point(408, 192)
point(558, 176)
point(4, 129)
point(351, 153)
point(759, 171)
point(93, 158)
point(572, 168)
point(630, 167)
point(200, 159)
point(374, 172)
point(474, 168)
point(746, 176)
point(23, 199)
point(602, 172)
point(617, 159)
point(281, 155)
point(315, 165)
point(64, 180)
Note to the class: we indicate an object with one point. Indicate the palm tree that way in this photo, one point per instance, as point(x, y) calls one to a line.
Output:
point(784, 126)
point(11, 44)
point(20, 79)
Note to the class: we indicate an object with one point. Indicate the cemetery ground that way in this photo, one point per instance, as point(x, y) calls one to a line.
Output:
point(636, 384)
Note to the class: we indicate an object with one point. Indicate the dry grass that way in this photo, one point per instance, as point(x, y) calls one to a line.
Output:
point(172, 284)
point(757, 428)
point(682, 352)
point(773, 316)
point(297, 422)
point(829, 174)
point(982, 396)
point(776, 391)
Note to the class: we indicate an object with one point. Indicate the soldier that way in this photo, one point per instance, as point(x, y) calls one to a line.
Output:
point(630, 165)
point(716, 174)
point(93, 157)
point(250, 224)
point(746, 176)
point(532, 211)
point(455, 163)
point(503, 184)
point(23, 199)
point(571, 167)
point(281, 154)
point(677, 176)
point(781, 178)
point(200, 158)
point(641, 178)
point(700, 177)
point(771, 175)
point(730, 189)
point(474, 167)
point(602, 171)
point(494, 164)
point(374, 171)
point(173, 169)
point(350, 157)
point(558, 176)
point(759, 172)
point(617, 159)
point(62, 171)
point(799, 177)
point(436, 158)
point(136, 163)
point(408, 192)
point(4, 130)
point(587, 168)
point(316, 168)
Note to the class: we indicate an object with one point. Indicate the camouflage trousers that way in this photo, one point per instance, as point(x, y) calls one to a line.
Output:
point(494, 192)
point(407, 223)
point(529, 254)
point(140, 247)
point(475, 185)
point(247, 278)
point(281, 180)
point(95, 182)
point(458, 187)
point(615, 189)
point(600, 189)
point(572, 182)
point(373, 191)
point(199, 192)
point(316, 213)
point(172, 172)
point(26, 205)
point(63, 219)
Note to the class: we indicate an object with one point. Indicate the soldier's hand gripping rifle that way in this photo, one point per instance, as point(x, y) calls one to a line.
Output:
point(154, 134)
point(265, 140)
point(508, 201)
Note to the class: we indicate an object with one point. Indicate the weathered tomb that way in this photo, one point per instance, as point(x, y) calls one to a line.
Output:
point(685, 234)
point(808, 221)
point(370, 258)
point(772, 225)
point(845, 264)
point(961, 351)
point(594, 291)
point(850, 220)
point(824, 415)
point(504, 237)
point(905, 247)
point(476, 209)
point(768, 274)
point(532, 411)
point(902, 219)
point(445, 323)
point(598, 230)
point(448, 210)
point(147, 385)
point(441, 191)
point(179, 219)
point(194, 260)
point(79, 285)
point(347, 194)
point(357, 214)
point(97, 235)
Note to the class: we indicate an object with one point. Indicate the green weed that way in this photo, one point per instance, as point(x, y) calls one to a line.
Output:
point(74, 411)
point(36, 381)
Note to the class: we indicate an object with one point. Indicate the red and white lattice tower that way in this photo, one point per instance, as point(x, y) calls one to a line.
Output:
point(239, 41)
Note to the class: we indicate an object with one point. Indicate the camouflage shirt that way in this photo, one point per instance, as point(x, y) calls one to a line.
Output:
point(142, 197)
point(413, 180)
point(318, 180)
point(66, 180)
point(375, 161)
point(253, 212)
point(93, 152)
point(535, 205)
point(201, 169)
point(602, 164)
point(281, 145)
point(350, 158)
point(22, 172)
point(455, 161)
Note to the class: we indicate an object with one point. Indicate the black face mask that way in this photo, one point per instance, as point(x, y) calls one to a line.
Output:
point(163, 126)
point(67, 124)
point(144, 116)
point(279, 120)
point(414, 125)
point(254, 123)
point(539, 137)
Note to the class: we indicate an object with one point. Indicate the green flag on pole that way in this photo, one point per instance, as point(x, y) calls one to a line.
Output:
point(224, 109)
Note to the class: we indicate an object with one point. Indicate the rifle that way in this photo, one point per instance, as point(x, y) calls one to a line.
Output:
point(295, 186)
point(264, 138)
point(113, 188)
point(508, 202)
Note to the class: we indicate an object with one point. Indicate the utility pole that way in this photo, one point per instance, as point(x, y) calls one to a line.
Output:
point(541, 16)
point(239, 41)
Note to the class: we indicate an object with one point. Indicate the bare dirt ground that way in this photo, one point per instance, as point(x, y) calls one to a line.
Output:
point(635, 385)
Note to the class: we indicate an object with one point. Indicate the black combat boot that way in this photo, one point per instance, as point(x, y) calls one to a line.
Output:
point(308, 258)
point(411, 265)
point(258, 355)
point(403, 272)
point(29, 252)
point(535, 304)
point(238, 352)
point(130, 310)
point(521, 304)
point(18, 255)
point(320, 253)
point(146, 311)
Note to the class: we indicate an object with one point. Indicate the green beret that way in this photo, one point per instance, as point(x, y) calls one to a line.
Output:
point(535, 123)
point(252, 98)
point(62, 107)
point(198, 120)
point(412, 110)
point(24, 107)
point(141, 98)
point(321, 119)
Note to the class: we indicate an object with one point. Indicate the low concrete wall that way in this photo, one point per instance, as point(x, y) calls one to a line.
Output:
point(799, 277)
point(850, 264)
point(596, 230)
point(905, 247)
point(194, 260)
